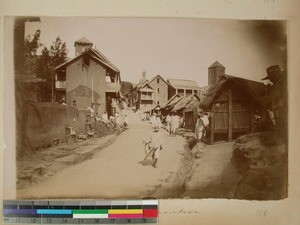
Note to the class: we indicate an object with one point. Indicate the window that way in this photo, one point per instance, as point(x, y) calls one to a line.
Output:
point(157, 80)
point(157, 90)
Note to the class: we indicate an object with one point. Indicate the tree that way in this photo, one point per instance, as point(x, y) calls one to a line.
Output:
point(31, 45)
point(43, 66)
point(51, 58)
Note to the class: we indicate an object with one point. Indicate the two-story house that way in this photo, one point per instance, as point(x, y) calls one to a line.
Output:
point(141, 95)
point(89, 78)
point(160, 90)
point(182, 87)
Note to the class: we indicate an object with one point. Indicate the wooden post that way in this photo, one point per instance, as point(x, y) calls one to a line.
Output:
point(212, 127)
point(230, 125)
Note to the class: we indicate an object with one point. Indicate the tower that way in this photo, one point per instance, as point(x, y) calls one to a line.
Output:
point(82, 45)
point(144, 78)
point(215, 72)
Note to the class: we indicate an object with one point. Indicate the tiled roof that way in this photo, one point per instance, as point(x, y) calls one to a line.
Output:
point(215, 64)
point(183, 84)
point(94, 54)
point(145, 89)
point(103, 58)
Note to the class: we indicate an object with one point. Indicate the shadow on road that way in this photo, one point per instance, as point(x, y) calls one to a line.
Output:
point(146, 162)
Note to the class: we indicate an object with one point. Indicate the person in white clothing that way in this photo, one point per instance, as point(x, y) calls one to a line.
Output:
point(175, 124)
point(105, 117)
point(155, 144)
point(168, 121)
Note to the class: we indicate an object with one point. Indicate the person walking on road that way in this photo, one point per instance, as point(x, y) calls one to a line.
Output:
point(155, 143)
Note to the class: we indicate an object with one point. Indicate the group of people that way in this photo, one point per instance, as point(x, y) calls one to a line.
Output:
point(155, 120)
point(173, 123)
point(118, 118)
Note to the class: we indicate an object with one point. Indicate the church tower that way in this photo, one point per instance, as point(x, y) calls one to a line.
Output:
point(215, 72)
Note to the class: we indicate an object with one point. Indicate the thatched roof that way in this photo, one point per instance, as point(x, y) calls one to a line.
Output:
point(185, 102)
point(256, 90)
point(171, 102)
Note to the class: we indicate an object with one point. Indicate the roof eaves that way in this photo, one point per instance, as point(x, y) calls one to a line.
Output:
point(160, 77)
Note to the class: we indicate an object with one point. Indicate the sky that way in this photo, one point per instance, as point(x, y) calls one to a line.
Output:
point(174, 48)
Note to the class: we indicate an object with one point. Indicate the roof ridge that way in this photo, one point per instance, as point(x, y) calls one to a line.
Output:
point(83, 40)
point(215, 64)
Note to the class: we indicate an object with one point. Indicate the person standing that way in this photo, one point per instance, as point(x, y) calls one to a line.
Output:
point(175, 123)
point(168, 121)
point(157, 121)
point(205, 121)
point(199, 128)
point(105, 117)
point(153, 120)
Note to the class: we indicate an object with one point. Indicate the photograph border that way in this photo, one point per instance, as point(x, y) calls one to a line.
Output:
point(205, 210)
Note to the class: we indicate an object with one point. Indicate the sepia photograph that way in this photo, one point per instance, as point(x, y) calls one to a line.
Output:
point(150, 108)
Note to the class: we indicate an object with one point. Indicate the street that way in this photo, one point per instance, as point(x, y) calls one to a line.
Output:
point(118, 171)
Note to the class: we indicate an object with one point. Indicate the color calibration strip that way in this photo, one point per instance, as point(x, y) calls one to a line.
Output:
point(80, 212)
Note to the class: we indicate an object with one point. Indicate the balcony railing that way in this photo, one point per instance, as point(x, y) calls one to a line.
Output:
point(147, 97)
point(60, 84)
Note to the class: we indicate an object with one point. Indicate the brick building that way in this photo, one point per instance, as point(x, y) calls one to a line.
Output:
point(89, 78)
point(160, 90)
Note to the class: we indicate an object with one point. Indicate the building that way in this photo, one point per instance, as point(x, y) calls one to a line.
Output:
point(167, 108)
point(160, 90)
point(148, 95)
point(231, 103)
point(140, 96)
point(182, 87)
point(89, 78)
point(215, 72)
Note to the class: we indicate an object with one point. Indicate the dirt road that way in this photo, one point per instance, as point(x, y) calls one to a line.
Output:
point(118, 171)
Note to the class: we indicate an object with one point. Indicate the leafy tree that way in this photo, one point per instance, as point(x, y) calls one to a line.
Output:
point(31, 45)
point(51, 58)
point(43, 66)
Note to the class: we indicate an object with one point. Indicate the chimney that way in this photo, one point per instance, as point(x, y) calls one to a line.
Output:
point(144, 76)
point(82, 45)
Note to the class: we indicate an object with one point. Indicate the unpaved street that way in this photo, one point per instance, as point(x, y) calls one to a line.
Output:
point(118, 171)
